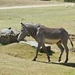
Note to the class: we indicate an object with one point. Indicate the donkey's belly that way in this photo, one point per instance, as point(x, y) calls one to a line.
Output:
point(51, 41)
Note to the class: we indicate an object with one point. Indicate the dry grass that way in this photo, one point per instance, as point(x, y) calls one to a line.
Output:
point(15, 59)
point(48, 16)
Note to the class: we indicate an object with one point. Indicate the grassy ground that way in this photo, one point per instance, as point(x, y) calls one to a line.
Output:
point(15, 59)
point(17, 66)
point(48, 16)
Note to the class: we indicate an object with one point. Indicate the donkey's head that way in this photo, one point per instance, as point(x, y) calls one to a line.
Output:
point(23, 32)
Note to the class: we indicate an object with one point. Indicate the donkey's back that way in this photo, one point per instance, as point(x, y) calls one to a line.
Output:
point(52, 35)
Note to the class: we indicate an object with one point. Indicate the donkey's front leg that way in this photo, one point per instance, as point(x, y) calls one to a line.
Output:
point(45, 50)
point(39, 45)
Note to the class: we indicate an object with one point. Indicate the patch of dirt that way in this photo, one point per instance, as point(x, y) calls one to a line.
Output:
point(35, 6)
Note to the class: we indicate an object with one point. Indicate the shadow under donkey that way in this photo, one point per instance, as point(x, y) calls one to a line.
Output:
point(70, 64)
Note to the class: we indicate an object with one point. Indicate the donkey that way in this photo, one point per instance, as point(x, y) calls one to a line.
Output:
point(42, 35)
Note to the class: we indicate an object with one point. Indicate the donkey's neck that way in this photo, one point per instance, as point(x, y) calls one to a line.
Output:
point(32, 31)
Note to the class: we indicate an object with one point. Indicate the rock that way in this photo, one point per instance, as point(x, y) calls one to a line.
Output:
point(7, 31)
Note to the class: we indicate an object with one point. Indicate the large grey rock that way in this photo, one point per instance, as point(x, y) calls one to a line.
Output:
point(7, 31)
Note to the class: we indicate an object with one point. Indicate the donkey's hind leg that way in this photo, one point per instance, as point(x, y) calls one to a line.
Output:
point(64, 42)
point(67, 52)
point(45, 50)
point(61, 50)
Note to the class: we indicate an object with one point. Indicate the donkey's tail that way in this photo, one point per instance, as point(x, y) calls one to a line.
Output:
point(71, 42)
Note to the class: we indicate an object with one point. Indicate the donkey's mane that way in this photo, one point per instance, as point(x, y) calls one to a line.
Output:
point(32, 28)
point(32, 24)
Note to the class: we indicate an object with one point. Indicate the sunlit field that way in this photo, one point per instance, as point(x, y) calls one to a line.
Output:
point(48, 16)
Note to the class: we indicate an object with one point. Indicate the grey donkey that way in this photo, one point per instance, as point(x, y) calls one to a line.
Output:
point(42, 35)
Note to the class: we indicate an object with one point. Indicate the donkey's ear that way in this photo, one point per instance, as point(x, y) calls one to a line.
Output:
point(22, 24)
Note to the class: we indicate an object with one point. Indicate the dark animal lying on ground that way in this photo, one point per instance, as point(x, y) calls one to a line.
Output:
point(42, 35)
point(8, 36)
point(50, 52)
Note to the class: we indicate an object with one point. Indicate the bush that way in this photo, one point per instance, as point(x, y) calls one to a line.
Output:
point(69, 0)
point(45, 0)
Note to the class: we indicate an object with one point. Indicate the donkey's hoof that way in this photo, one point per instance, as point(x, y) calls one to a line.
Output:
point(65, 62)
point(49, 60)
point(34, 60)
point(59, 60)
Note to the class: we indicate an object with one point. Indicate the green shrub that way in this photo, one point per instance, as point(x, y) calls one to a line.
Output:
point(45, 0)
point(69, 0)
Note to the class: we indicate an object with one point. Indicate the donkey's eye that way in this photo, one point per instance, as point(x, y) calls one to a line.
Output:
point(21, 30)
